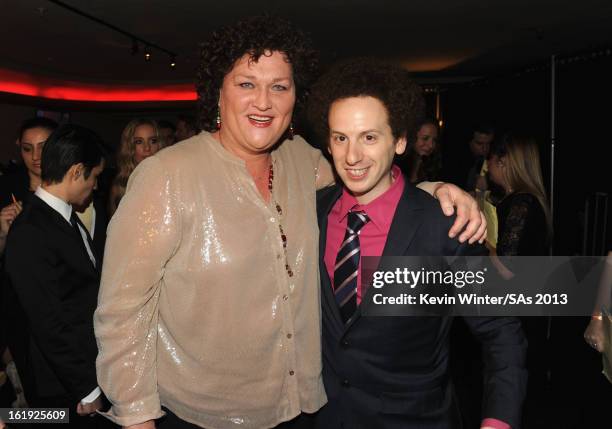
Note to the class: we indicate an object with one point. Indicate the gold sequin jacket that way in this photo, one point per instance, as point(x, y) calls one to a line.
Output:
point(196, 310)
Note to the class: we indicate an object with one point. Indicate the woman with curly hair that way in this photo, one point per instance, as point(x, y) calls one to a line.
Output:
point(209, 300)
point(139, 140)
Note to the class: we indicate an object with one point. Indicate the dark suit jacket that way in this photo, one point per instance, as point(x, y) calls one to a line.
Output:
point(392, 372)
point(53, 289)
point(15, 182)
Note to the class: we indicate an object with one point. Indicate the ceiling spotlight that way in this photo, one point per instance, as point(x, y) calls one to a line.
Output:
point(173, 62)
point(147, 55)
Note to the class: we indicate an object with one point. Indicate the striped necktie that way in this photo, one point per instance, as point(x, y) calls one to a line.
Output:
point(347, 264)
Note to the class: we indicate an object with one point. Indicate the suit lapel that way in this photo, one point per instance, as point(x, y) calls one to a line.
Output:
point(325, 205)
point(406, 222)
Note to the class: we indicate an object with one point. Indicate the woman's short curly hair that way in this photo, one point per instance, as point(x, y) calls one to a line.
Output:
point(254, 36)
point(363, 77)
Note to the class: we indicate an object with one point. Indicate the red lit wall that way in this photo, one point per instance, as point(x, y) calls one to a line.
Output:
point(55, 89)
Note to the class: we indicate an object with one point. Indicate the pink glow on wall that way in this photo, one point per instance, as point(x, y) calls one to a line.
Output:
point(35, 86)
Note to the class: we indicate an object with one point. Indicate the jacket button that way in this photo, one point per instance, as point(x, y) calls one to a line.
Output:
point(345, 383)
point(345, 343)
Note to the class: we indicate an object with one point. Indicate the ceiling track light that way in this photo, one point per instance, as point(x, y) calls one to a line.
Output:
point(137, 42)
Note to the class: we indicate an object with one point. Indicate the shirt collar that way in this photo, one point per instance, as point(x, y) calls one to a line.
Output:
point(57, 204)
point(381, 209)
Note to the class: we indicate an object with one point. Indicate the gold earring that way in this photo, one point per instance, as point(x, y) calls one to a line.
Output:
point(218, 119)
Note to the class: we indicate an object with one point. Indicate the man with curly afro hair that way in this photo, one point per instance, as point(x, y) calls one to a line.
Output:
point(391, 372)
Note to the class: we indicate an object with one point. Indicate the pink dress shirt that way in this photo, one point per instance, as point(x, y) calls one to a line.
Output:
point(373, 235)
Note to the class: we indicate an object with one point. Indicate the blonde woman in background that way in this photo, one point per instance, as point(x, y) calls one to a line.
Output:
point(140, 139)
point(525, 227)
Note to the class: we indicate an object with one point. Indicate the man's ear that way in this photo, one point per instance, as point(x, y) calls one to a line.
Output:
point(400, 145)
point(76, 171)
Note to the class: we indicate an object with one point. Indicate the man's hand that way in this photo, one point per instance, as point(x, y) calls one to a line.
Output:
point(468, 213)
point(7, 216)
point(91, 408)
point(149, 424)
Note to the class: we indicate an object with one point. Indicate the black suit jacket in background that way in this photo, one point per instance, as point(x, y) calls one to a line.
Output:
point(51, 295)
point(392, 372)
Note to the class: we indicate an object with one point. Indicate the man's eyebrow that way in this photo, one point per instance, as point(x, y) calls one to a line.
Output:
point(372, 130)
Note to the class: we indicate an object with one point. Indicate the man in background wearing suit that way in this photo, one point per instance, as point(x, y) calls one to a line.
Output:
point(54, 274)
point(391, 372)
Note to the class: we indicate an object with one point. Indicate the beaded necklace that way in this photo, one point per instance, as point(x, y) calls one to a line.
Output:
point(279, 210)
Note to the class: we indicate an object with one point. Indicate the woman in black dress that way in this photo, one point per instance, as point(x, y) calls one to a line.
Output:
point(524, 229)
point(524, 225)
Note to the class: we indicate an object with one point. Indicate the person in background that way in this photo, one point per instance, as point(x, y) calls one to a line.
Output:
point(598, 332)
point(524, 229)
point(167, 132)
point(186, 127)
point(464, 164)
point(209, 305)
point(139, 140)
point(17, 186)
point(54, 279)
point(479, 145)
point(422, 159)
point(525, 226)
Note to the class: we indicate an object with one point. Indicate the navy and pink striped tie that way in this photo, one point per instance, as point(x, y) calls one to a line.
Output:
point(347, 265)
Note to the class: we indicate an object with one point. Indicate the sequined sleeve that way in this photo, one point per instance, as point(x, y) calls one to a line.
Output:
point(142, 236)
